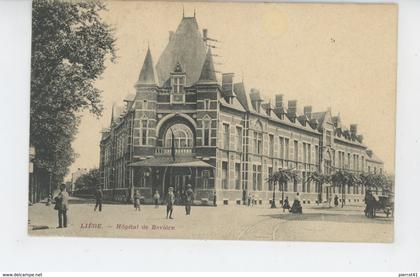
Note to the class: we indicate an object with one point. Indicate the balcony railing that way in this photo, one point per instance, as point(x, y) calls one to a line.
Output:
point(167, 151)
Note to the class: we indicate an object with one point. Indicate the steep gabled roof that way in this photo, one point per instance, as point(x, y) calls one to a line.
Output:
point(239, 89)
point(185, 46)
point(147, 72)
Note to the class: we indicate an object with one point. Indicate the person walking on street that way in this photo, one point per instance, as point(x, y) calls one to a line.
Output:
point(137, 200)
point(214, 199)
point(62, 205)
point(335, 201)
point(156, 198)
point(189, 199)
point(170, 200)
point(286, 204)
point(98, 196)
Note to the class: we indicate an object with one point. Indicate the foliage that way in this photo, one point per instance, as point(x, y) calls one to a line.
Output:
point(320, 179)
point(88, 181)
point(70, 45)
point(283, 176)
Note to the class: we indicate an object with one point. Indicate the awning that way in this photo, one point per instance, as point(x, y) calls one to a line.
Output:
point(160, 162)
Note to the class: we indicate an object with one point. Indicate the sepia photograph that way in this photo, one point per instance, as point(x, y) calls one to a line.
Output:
point(213, 121)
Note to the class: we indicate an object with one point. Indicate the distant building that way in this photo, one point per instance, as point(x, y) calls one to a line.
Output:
point(75, 175)
point(183, 126)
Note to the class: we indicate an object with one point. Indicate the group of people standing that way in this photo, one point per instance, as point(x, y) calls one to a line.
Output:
point(188, 199)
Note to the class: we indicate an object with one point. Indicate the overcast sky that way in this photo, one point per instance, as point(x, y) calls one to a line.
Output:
point(341, 56)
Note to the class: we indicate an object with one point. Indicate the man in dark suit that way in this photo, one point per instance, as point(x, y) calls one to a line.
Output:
point(99, 196)
point(62, 205)
point(189, 199)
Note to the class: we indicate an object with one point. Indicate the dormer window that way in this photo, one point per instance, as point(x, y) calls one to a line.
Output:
point(178, 82)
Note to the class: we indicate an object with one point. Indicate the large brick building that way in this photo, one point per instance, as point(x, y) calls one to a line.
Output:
point(227, 140)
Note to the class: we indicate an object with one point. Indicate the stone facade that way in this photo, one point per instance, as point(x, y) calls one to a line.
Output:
point(185, 127)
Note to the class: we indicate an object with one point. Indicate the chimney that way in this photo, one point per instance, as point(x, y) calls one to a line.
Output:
point(307, 111)
point(292, 108)
point(171, 34)
point(205, 34)
point(353, 129)
point(227, 83)
point(255, 99)
point(279, 100)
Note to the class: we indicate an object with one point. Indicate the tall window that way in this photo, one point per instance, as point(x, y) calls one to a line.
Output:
point(178, 85)
point(237, 176)
point(225, 136)
point(296, 150)
point(205, 177)
point(304, 153)
point(254, 177)
point(144, 131)
point(239, 139)
point(271, 145)
point(259, 178)
point(316, 155)
point(286, 151)
point(281, 148)
point(206, 131)
point(225, 179)
point(270, 184)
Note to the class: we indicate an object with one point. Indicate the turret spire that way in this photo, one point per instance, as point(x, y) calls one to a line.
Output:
point(147, 73)
point(207, 72)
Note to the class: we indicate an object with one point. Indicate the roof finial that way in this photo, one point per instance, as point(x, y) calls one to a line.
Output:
point(194, 13)
point(183, 12)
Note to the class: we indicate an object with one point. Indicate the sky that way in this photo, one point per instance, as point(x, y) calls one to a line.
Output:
point(342, 56)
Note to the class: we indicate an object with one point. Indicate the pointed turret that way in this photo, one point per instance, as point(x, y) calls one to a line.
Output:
point(208, 73)
point(147, 73)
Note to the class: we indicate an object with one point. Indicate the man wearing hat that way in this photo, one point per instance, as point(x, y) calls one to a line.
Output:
point(170, 200)
point(189, 198)
point(99, 196)
point(62, 204)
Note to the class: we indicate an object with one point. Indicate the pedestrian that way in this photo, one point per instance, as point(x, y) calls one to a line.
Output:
point(98, 196)
point(286, 204)
point(156, 198)
point(137, 200)
point(296, 207)
point(62, 205)
point(335, 200)
point(170, 200)
point(214, 199)
point(49, 200)
point(189, 199)
point(249, 199)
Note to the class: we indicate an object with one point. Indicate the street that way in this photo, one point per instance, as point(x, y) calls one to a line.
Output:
point(346, 224)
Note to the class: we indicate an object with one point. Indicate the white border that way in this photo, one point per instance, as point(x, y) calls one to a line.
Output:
point(18, 252)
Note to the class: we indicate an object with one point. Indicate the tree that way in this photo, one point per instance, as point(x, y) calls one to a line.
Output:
point(88, 181)
point(70, 45)
point(342, 179)
point(319, 179)
point(282, 177)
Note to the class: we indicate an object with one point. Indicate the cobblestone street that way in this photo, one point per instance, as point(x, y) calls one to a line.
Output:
point(223, 222)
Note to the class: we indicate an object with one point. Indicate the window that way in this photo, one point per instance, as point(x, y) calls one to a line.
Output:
point(206, 131)
point(183, 136)
point(303, 181)
point(144, 131)
point(225, 184)
point(328, 138)
point(225, 136)
point(259, 143)
point(205, 177)
point(271, 145)
point(237, 176)
point(259, 178)
point(316, 155)
point(270, 184)
point(281, 148)
point(296, 150)
point(286, 145)
point(348, 161)
point(207, 104)
point(309, 153)
point(239, 139)
point(304, 153)
point(254, 177)
point(178, 84)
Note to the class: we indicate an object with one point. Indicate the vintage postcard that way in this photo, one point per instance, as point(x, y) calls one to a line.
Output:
point(205, 120)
